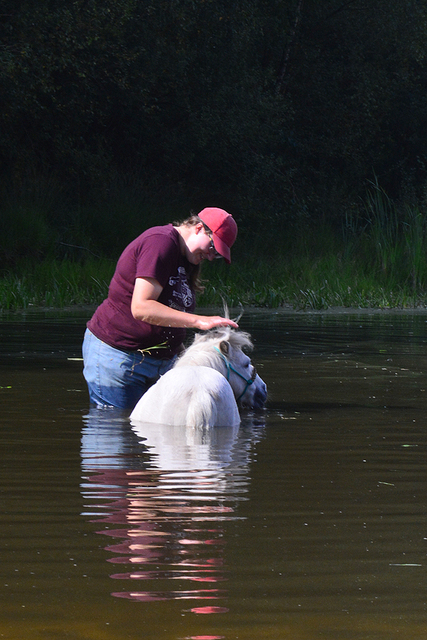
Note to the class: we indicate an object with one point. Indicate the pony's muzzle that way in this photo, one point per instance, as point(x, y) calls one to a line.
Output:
point(260, 396)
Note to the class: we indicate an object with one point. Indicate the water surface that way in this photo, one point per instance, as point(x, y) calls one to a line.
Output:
point(308, 522)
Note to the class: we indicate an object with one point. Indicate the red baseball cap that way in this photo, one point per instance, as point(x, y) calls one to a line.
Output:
point(223, 227)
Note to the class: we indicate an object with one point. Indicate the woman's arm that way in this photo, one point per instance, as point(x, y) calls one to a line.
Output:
point(145, 306)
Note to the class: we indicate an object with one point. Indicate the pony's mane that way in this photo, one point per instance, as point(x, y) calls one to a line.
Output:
point(202, 351)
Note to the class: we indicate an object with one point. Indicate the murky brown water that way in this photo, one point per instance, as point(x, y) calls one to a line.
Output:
point(307, 523)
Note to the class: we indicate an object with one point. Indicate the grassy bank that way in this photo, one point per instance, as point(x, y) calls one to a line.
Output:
point(376, 259)
point(319, 283)
point(316, 272)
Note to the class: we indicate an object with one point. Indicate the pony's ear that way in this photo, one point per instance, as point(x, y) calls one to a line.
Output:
point(225, 347)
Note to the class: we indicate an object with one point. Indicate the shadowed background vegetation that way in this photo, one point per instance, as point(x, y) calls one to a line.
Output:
point(305, 120)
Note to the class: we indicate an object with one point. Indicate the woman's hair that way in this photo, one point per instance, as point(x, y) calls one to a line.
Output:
point(194, 274)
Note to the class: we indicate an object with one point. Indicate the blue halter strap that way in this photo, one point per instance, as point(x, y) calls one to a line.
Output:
point(230, 367)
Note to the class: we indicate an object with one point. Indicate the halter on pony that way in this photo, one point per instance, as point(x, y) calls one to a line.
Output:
point(230, 367)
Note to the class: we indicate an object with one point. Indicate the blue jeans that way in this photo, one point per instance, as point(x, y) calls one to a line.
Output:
point(118, 378)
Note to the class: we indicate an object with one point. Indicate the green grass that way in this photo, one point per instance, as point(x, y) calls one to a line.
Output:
point(54, 283)
point(377, 259)
point(316, 273)
point(311, 272)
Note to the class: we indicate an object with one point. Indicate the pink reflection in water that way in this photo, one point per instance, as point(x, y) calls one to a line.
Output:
point(166, 519)
point(204, 638)
point(156, 596)
point(158, 532)
point(209, 610)
point(170, 575)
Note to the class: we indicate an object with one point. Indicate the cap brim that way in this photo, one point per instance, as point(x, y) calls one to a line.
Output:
point(222, 248)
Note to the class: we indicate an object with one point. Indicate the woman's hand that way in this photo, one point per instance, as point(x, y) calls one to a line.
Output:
point(204, 323)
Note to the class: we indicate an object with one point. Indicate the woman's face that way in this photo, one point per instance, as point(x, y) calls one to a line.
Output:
point(199, 245)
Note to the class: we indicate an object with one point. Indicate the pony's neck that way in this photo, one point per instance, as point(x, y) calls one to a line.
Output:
point(203, 358)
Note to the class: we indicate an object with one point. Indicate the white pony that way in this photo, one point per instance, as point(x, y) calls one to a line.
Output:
point(206, 384)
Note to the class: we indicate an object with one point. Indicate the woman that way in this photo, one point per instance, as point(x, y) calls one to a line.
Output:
point(136, 333)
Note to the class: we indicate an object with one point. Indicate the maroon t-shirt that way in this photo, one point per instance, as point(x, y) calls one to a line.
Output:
point(154, 254)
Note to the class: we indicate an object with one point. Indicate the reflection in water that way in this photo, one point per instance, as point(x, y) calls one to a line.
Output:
point(166, 492)
point(322, 535)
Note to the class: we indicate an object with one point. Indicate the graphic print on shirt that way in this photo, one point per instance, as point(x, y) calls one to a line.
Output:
point(182, 295)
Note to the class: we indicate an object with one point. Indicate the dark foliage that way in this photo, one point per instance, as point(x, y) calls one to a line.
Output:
point(278, 109)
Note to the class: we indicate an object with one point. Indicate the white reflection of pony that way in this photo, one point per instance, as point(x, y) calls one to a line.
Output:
point(174, 449)
point(206, 384)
